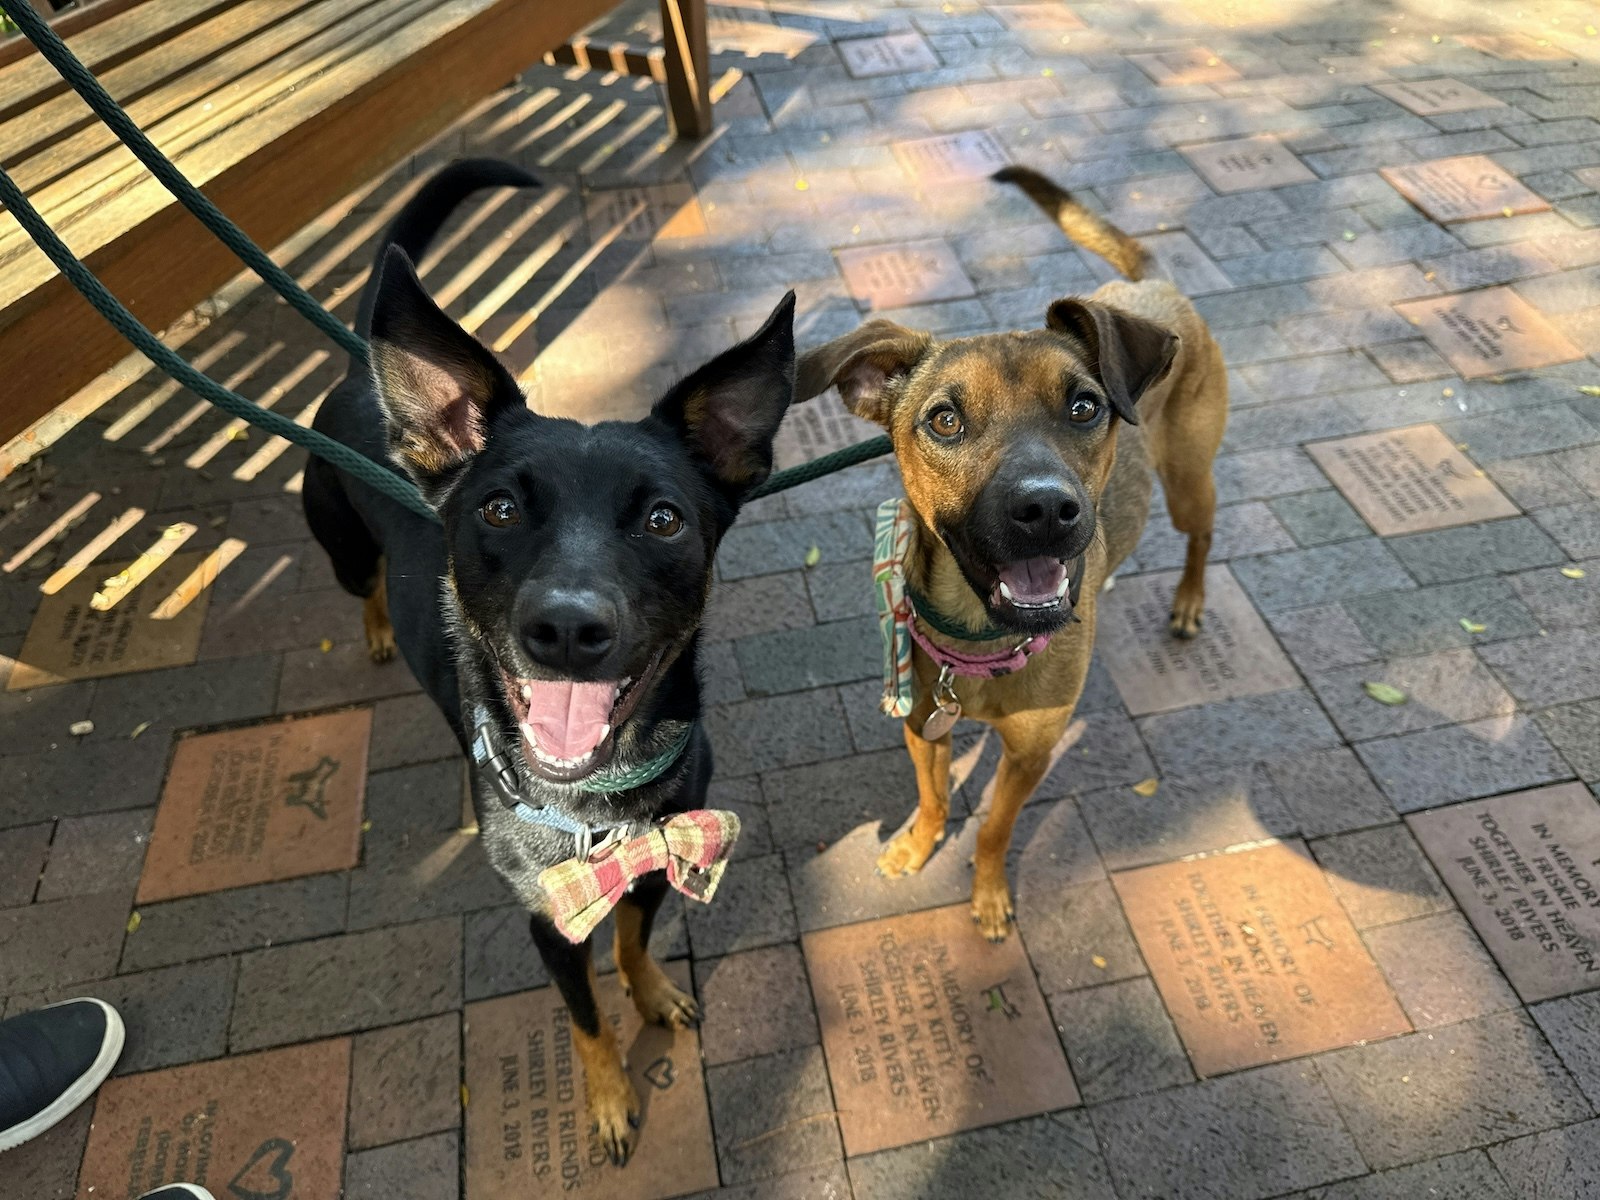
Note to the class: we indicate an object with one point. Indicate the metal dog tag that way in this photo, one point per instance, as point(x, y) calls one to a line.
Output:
point(942, 719)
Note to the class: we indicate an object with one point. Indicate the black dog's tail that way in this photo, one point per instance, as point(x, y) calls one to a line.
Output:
point(1088, 229)
point(426, 212)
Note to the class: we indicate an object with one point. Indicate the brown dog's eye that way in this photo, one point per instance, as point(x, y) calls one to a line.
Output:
point(1083, 408)
point(946, 422)
point(664, 521)
point(500, 510)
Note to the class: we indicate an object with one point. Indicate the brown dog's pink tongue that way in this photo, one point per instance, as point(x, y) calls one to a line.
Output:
point(1033, 580)
point(568, 718)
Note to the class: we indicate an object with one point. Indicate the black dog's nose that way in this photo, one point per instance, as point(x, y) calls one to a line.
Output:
point(1043, 508)
point(570, 630)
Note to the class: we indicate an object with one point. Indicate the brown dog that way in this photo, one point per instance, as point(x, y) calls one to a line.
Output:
point(1027, 493)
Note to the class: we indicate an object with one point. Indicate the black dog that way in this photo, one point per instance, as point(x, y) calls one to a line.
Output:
point(553, 614)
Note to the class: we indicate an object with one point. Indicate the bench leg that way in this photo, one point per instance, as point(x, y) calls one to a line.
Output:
point(683, 23)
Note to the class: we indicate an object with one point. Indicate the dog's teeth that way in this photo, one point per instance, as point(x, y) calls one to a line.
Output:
point(1005, 592)
point(605, 732)
point(1062, 590)
point(527, 693)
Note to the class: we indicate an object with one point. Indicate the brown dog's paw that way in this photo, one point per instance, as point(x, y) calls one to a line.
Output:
point(992, 911)
point(658, 999)
point(1187, 613)
point(905, 854)
point(614, 1110)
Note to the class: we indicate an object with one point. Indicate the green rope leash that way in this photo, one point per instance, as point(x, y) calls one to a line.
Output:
point(861, 452)
point(125, 323)
point(82, 81)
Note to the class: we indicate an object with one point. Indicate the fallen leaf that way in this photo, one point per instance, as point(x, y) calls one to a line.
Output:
point(1472, 626)
point(1385, 693)
point(133, 920)
point(366, 827)
point(1573, 572)
point(325, 645)
point(238, 435)
point(813, 556)
point(1448, 392)
point(138, 729)
point(1098, 961)
point(1048, 72)
point(1349, 235)
point(800, 185)
point(1147, 787)
point(463, 1095)
point(1589, 389)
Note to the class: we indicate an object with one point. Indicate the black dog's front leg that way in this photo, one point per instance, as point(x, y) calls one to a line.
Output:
point(656, 997)
point(613, 1104)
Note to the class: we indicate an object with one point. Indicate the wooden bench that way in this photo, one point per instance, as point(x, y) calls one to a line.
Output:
point(277, 108)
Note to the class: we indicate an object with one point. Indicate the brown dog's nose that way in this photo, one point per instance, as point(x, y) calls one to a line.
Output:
point(1043, 508)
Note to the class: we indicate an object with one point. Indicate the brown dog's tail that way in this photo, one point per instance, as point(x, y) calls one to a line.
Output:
point(1087, 229)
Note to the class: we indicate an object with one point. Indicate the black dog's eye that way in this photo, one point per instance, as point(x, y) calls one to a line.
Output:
point(500, 510)
point(1083, 408)
point(945, 422)
point(664, 521)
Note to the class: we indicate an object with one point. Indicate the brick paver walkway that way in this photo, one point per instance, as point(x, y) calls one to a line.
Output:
point(1386, 988)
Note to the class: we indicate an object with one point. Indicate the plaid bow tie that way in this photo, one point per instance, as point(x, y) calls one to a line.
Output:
point(692, 848)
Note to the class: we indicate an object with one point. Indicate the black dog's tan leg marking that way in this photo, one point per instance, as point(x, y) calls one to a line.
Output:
point(375, 619)
point(613, 1104)
point(657, 998)
point(906, 853)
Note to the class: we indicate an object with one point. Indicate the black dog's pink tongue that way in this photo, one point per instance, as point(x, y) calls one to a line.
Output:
point(569, 719)
point(1033, 580)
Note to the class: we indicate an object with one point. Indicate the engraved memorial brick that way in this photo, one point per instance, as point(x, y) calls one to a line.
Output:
point(660, 211)
point(1489, 332)
point(1195, 64)
point(1255, 959)
point(267, 1126)
point(1038, 18)
point(260, 804)
point(1430, 97)
point(1155, 672)
point(907, 273)
point(817, 427)
point(973, 154)
point(1243, 164)
point(1466, 188)
point(1410, 480)
point(1525, 868)
point(528, 1128)
point(929, 1029)
point(892, 54)
point(157, 623)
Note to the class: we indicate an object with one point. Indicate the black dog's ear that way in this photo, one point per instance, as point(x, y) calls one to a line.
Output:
point(439, 387)
point(730, 409)
point(863, 364)
point(1129, 352)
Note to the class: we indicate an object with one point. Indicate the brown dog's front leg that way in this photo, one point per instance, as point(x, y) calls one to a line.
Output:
point(1019, 773)
point(613, 1104)
point(905, 854)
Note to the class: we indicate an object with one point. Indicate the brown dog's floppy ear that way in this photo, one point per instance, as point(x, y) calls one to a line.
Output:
point(1129, 353)
point(439, 387)
point(863, 364)
point(730, 409)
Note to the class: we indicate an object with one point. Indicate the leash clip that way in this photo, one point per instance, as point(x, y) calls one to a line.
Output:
point(502, 774)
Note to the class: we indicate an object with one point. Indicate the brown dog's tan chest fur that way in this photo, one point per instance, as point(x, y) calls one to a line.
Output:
point(958, 412)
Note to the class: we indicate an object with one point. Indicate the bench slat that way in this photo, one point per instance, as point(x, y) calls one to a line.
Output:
point(26, 78)
point(272, 174)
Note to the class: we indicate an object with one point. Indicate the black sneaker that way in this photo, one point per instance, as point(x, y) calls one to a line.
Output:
point(179, 1191)
point(51, 1060)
